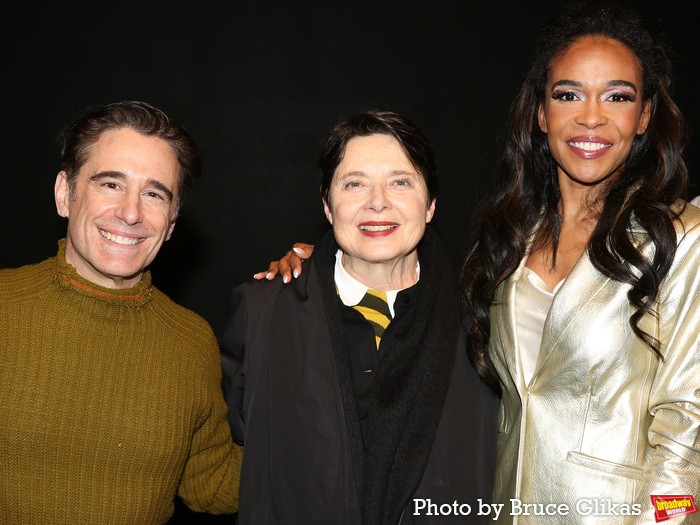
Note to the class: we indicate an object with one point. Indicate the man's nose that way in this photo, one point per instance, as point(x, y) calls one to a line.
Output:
point(130, 209)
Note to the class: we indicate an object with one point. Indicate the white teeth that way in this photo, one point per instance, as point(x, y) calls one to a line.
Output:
point(378, 228)
point(589, 146)
point(118, 238)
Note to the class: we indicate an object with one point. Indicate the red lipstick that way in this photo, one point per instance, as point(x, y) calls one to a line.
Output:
point(377, 229)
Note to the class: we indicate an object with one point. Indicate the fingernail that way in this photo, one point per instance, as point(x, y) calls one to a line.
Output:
point(296, 273)
point(268, 276)
point(298, 250)
point(285, 279)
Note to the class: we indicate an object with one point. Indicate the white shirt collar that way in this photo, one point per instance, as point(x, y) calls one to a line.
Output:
point(351, 291)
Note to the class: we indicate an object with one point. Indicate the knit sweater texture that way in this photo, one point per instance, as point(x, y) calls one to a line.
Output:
point(110, 403)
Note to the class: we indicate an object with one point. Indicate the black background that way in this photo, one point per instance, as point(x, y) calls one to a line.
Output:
point(259, 84)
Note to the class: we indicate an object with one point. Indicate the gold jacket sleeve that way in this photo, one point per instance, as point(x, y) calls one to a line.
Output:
point(672, 463)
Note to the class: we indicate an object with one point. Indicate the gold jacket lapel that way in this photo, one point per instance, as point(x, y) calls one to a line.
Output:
point(579, 289)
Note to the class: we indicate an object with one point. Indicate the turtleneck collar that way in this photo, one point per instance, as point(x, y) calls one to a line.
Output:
point(69, 278)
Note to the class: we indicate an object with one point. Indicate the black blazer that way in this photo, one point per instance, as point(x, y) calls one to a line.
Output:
point(287, 383)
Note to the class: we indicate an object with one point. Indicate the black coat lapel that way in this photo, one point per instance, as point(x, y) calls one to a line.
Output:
point(324, 261)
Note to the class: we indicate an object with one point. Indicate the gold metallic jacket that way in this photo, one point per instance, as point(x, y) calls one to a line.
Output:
point(603, 423)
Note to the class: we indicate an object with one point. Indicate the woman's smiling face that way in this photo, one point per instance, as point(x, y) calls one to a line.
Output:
point(593, 110)
point(378, 202)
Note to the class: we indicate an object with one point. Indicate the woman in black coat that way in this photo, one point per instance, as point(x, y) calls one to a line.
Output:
point(350, 416)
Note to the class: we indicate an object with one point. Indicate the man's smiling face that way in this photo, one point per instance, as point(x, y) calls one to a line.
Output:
point(122, 207)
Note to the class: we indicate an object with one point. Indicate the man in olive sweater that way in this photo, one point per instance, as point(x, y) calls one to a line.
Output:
point(110, 393)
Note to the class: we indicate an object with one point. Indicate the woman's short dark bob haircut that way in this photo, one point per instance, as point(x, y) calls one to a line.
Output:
point(379, 122)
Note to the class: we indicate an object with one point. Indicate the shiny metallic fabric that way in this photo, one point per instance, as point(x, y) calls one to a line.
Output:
point(604, 423)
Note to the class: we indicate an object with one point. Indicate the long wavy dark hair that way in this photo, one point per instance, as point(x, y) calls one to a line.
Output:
point(645, 190)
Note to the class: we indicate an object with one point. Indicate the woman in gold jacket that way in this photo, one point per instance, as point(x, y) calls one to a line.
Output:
point(583, 282)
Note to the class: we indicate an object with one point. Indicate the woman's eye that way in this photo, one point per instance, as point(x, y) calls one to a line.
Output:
point(621, 97)
point(566, 96)
point(353, 184)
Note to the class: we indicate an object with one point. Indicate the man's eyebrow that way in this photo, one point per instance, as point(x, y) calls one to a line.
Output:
point(107, 175)
point(121, 176)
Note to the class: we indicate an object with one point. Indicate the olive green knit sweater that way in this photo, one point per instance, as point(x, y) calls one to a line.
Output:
point(110, 403)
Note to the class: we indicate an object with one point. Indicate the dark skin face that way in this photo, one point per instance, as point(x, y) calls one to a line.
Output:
point(592, 113)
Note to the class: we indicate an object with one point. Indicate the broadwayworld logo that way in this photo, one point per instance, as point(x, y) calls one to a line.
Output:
point(667, 507)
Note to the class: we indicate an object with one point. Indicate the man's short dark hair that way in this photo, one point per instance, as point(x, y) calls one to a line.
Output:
point(76, 139)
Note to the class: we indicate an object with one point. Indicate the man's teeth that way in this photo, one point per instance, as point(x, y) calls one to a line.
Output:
point(118, 238)
point(589, 146)
point(369, 228)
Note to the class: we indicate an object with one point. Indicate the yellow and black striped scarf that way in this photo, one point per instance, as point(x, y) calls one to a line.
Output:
point(375, 309)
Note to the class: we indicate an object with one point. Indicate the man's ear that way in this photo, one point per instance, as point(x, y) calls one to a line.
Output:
point(170, 230)
point(61, 193)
